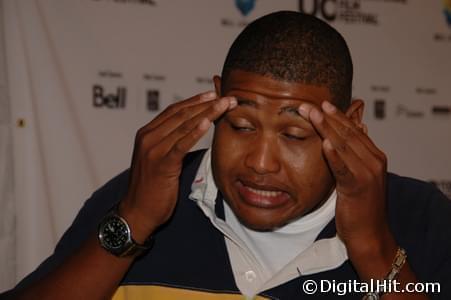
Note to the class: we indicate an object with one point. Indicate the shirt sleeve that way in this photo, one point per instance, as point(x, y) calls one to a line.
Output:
point(439, 246)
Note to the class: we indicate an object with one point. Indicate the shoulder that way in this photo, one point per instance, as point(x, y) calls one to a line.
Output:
point(192, 160)
point(93, 211)
point(418, 196)
point(104, 198)
point(420, 218)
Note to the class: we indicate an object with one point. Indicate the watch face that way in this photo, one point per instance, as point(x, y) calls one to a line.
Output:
point(114, 233)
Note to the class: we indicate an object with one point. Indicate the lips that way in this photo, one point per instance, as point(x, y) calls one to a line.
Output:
point(262, 196)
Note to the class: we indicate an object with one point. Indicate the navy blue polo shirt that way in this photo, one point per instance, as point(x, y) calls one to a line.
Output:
point(189, 259)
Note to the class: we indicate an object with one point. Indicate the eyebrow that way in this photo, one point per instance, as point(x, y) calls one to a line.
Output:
point(292, 110)
point(246, 102)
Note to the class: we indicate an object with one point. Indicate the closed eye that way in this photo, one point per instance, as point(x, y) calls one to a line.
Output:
point(294, 137)
point(241, 128)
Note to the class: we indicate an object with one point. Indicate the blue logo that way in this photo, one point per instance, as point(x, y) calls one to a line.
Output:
point(245, 6)
point(447, 11)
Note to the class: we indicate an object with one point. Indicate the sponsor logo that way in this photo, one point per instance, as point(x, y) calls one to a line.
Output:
point(315, 7)
point(245, 6)
point(380, 103)
point(154, 77)
point(447, 11)
point(444, 186)
point(116, 100)
point(109, 74)
point(402, 110)
point(153, 100)
point(380, 88)
point(204, 80)
point(145, 2)
point(441, 110)
point(425, 91)
point(443, 37)
point(346, 11)
point(226, 22)
point(379, 109)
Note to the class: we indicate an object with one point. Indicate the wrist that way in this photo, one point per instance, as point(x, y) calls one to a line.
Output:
point(139, 223)
point(372, 258)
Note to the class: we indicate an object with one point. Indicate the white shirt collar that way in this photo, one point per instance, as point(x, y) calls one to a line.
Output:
point(322, 255)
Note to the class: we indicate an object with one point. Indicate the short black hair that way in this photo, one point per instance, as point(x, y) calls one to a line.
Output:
point(296, 47)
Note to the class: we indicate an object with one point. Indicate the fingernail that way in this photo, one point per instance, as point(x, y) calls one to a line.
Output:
point(204, 124)
point(365, 129)
point(329, 107)
point(210, 95)
point(316, 115)
point(304, 110)
point(223, 103)
point(232, 103)
point(327, 144)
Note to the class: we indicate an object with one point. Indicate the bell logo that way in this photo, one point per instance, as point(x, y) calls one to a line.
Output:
point(113, 101)
point(327, 8)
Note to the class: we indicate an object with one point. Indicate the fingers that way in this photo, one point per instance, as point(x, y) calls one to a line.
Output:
point(338, 167)
point(191, 130)
point(174, 116)
point(175, 108)
point(349, 151)
point(184, 122)
point(352, 134)
point(352, 137)
point(344, 148)
point(185, 143)
point(359, 131)
point(174, 120)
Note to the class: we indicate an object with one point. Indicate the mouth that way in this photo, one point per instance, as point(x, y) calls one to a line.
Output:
point(262, 196)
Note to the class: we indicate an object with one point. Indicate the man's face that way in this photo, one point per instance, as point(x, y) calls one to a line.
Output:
point(267, 160)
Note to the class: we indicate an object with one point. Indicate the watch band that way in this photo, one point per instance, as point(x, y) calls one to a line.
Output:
point(397, 264)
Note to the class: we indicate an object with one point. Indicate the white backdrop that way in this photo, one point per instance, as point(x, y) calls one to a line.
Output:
point(7, 211)
point(85, 75)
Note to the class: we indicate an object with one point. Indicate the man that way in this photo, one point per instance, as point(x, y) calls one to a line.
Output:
point(292, 193)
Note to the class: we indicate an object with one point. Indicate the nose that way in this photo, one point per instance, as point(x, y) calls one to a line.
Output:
point(263, 157)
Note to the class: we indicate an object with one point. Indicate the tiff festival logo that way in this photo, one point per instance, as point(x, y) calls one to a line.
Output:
point(116, 100)
point(347, 11)
point(326, 8)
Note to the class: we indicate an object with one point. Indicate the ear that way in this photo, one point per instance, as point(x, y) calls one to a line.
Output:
point(355, 112)
point(217, 82)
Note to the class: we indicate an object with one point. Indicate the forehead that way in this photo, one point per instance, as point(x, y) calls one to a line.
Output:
point(258, 87)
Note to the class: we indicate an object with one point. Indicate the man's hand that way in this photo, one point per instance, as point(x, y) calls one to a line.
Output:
point(151, 197)
point(359, 168)
point(160, 147)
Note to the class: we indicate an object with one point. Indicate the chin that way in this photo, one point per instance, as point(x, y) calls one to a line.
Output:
point(261, 225)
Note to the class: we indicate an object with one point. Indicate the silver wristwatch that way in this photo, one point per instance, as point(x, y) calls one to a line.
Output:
point(115, 236)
